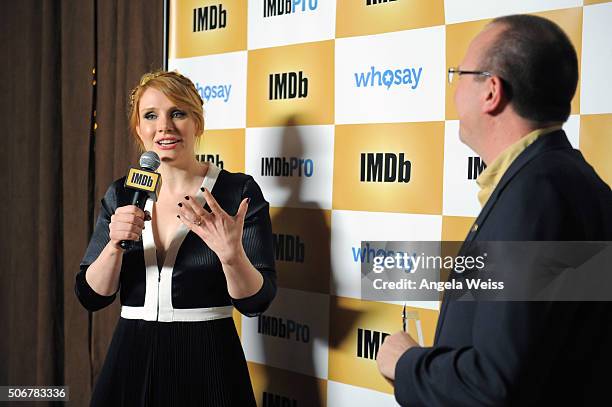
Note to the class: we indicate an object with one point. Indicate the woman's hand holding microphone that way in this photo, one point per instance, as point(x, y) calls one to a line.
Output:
point(127, 224)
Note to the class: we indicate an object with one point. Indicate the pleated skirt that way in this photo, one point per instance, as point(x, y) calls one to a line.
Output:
point(174, 364)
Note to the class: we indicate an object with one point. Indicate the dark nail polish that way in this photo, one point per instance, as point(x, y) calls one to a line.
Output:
point(180, 205)
point(248, 200)
point(202, 189)
point(186, 197)
point(178, 216)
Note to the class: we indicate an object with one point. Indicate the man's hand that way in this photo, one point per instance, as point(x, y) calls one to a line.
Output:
point(391, 350)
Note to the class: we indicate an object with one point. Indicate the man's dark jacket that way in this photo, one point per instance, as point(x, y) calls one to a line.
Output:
point(493, 353)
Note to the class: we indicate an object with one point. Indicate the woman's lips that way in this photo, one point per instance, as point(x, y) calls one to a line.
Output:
point(168, 144)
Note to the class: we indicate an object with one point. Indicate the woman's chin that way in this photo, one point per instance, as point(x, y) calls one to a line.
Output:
point(174, 156)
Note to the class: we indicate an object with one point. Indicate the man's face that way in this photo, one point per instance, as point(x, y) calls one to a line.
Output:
point(472, 90)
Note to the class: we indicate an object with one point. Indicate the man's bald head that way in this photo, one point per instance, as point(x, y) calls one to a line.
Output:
point(537, 64)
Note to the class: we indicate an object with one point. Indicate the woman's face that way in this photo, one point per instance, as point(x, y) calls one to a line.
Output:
point(165, 128)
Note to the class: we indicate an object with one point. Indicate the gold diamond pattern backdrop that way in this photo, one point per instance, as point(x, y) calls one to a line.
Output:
point(304, 95)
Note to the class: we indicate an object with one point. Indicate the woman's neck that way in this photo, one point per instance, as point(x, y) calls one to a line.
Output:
point(181, 179)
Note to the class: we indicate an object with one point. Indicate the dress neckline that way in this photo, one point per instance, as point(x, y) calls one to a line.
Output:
point(148, 242)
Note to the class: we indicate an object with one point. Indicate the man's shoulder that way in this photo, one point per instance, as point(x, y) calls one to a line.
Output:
point(556, 195)
point(560, 172)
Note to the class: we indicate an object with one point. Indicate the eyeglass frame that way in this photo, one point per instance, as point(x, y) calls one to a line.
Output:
point(452, 71)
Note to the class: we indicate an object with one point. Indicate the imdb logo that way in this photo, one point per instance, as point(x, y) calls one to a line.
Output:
point(374, 2)
point(212, 158)
point(288, 85)
point(475, 167)
point(389, 167)
point(369, 342)
point(274, 387)
point(359, 328)
point(288, 248)
point(381, 16)
point(276, 400)
point(384, 167)
point(223, 148)
point(205, 27)
point(291, 85)
point(302, 248)
point(209, 18)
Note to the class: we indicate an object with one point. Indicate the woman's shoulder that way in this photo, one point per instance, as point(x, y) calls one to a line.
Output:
point(234, 180)
point(234, 176)
point(239, 185)
point(117, 194)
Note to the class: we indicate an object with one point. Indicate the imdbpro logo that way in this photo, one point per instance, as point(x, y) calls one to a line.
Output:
point(286, 167)
point(283, 328)
point(387, 77)
point(273, 8)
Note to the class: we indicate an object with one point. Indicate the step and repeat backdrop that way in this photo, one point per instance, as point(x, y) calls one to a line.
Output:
point(341, 112)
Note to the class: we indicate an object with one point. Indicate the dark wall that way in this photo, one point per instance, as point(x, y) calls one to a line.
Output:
point(66, 72)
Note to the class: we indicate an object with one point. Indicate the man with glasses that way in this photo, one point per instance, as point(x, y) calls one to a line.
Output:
point(513, 93)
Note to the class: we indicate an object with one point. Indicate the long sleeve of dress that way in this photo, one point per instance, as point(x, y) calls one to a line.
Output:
point(91, 300)
point(259, 247)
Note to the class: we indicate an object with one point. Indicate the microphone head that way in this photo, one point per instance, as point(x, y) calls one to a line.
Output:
point(149, 160)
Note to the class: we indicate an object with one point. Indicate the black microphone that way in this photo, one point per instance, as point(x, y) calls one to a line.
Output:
point(145, 182)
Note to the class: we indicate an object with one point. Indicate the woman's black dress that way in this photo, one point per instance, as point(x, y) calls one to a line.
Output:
point(175, 343)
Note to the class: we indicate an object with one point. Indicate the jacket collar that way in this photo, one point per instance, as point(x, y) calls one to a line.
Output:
point(553, 141)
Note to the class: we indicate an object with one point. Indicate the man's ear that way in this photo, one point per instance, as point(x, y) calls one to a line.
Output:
point(495, 98)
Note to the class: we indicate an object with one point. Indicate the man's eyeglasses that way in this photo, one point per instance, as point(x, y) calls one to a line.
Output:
point(454, 72)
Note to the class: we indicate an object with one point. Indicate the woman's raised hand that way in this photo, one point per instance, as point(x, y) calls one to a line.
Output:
point(219, 230)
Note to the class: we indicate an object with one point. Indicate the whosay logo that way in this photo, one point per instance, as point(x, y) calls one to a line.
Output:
point(389, 77)
point(214, 92)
